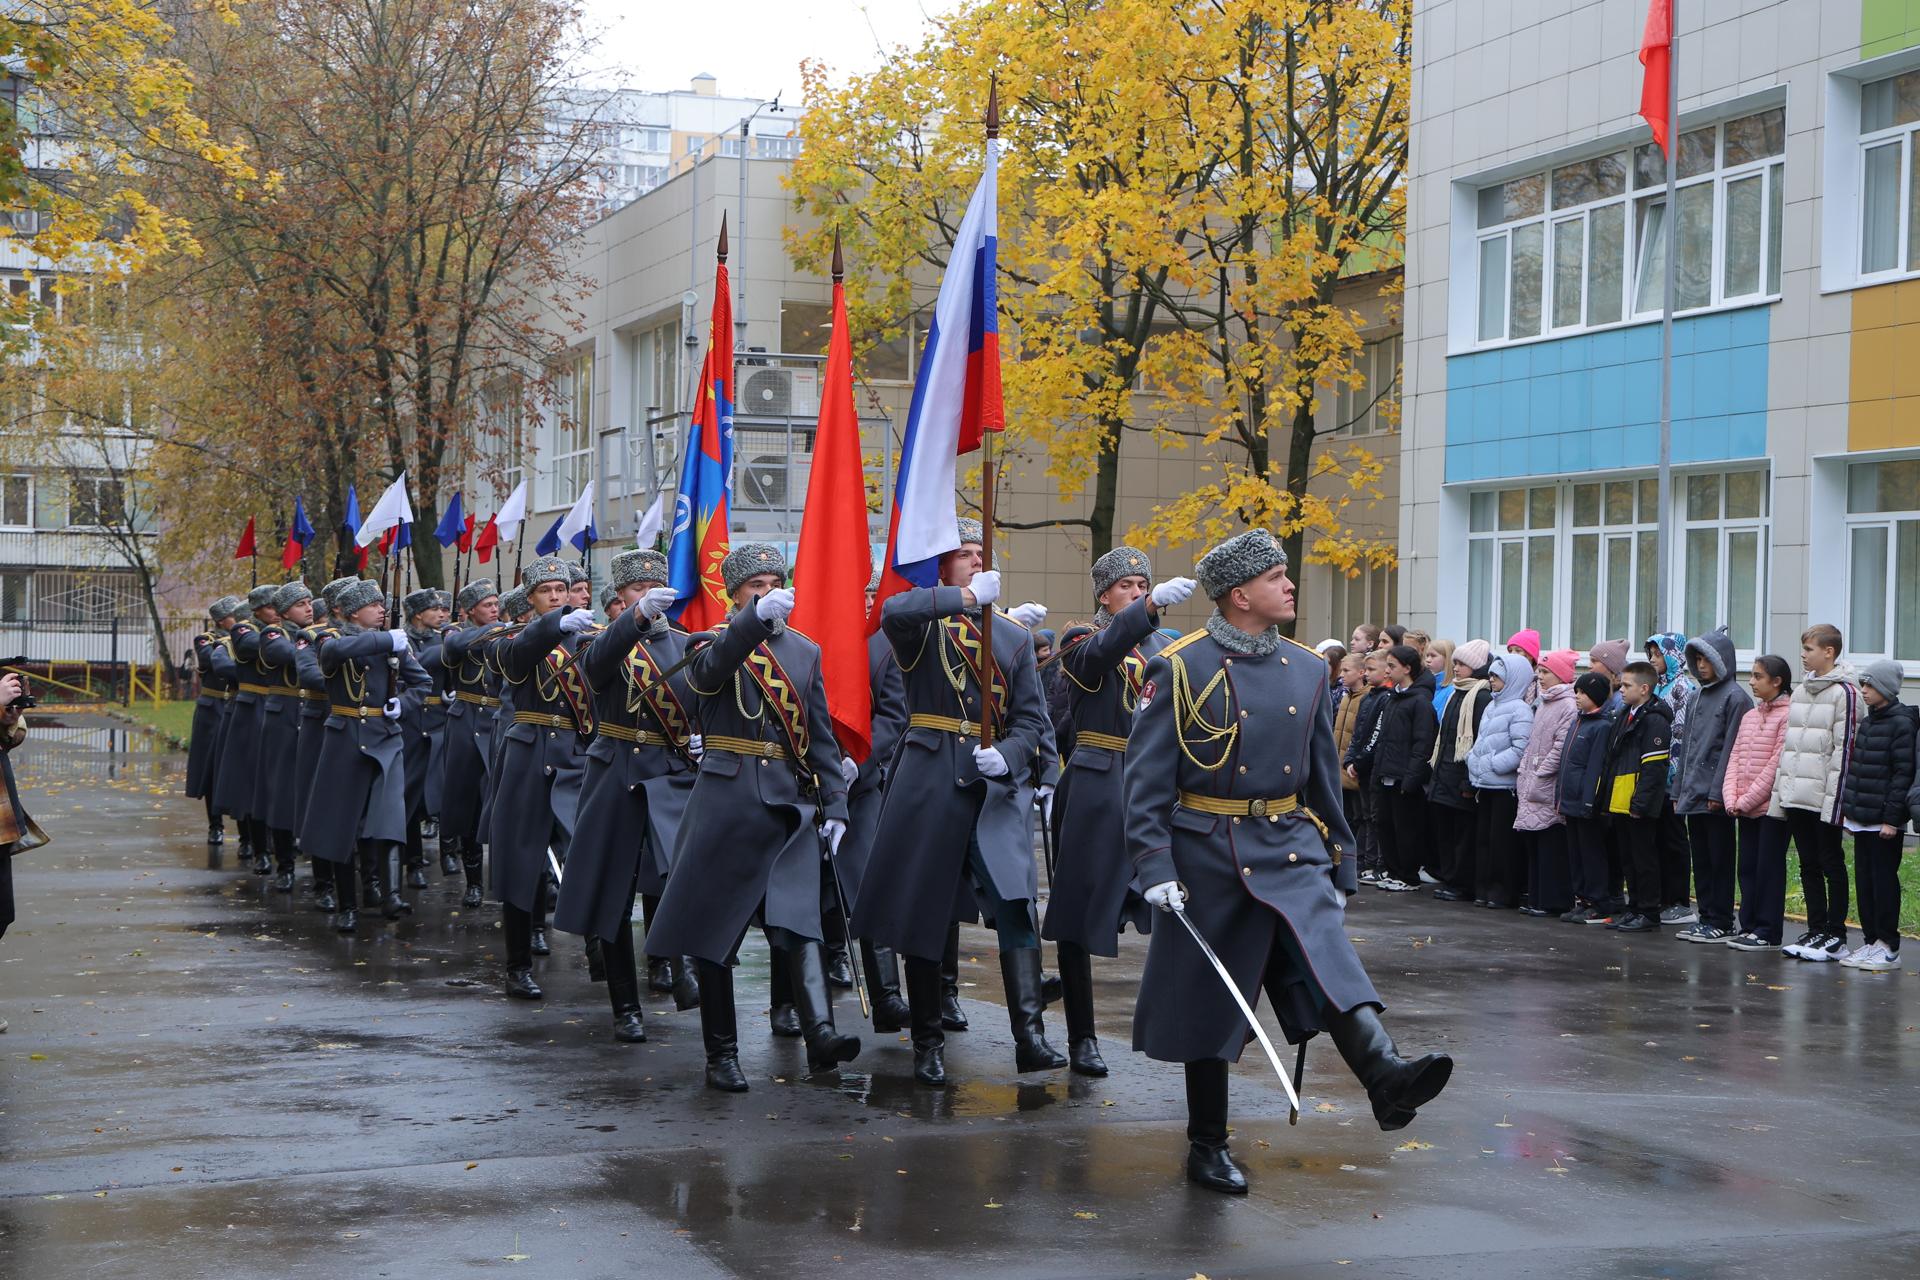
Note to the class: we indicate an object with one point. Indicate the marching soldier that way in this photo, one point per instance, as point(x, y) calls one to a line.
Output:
point(276, 793)
point(313, 730)
point(537, 792)
point(423, 731)
point(237, 776)
point(214, 661)
point(371, 675)
point(1092, 893)
point(768, 795)
point(611, 603)
point(866, 785)
point(468, 734)
point(579, 587)
point(1233, 816)
point(956, 811)
point(639, 775)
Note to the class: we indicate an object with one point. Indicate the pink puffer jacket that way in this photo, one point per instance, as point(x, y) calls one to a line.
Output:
point(1538, 785)
point(1754, 758)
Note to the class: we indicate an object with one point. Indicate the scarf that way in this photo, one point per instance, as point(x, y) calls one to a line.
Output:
point(1463, 696)
point(1234, 640)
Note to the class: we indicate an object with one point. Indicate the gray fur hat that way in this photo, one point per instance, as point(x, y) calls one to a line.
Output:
point(575, 574)
point(546, 569)
point(1883, 677)
point(1121, 562)
point(331, 592)
point(629, 567)
point(1239, 559)
point(608, 595)
point(873, 583)
point(474, 592)
point(226, 607)
point(970, 530)
point(291, 594)
point(262, 597)
point(418, 602)
point(514, 604)
point(350, 600)
point(748, 559)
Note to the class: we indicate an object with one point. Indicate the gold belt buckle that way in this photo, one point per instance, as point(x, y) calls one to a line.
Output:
point(767, 749)
point(1257, 808)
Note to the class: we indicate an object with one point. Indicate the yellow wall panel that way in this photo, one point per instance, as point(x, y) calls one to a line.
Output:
point(1884, 377)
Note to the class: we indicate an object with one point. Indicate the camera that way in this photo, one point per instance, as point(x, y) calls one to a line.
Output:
point(11, 666)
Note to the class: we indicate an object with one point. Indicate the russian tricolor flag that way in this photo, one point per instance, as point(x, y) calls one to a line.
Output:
point(956, 399)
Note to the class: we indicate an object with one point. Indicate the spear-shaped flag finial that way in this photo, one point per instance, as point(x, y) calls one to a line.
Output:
point(723, 236)
point(839, 262)
point(993, 106)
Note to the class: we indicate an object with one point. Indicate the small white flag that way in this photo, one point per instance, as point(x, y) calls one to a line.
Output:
point(512, 512)
point(651, 523)
point(392, 509)
point(580, 519)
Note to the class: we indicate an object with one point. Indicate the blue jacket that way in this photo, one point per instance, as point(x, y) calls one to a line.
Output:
point(1583, 764)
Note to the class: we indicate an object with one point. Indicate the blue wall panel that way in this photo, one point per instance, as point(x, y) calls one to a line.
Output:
point(1592, 402)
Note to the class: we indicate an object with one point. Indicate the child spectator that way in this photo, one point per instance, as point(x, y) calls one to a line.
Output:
point(1636, 789)
point(1357, 759)
point(1346, 715)
point(1439, 656)
point(1403, 745)
point(1335, 655)
point(1364, 638)
point(1667, 654)
point(1450, 796)
point(1583, 776)
point(1493, 767)
point(1807, 786)
point(1390, 635)
point(1609, 658)
point(1527, 643)
point(1537, 819)
point(1418, 641)
point(1713, 717)
point(1874, 808)
point(1748, 795)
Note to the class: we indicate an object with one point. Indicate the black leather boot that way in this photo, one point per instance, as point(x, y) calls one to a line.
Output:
point(262, 847)
point(471, 861)
point(686, 984)
point(660, 974)
point(826, 1047)
point(782, 1017)
point(216, 836)
point(890, 1012)
point(392, 905)
point(952, 1016)
point(1020, 972)
point(518, 927)
point(596, 961)
point(416, 859)
point(1209, 1164)
point(324, 898)
point(1076, 987)
point(345, 919)
point(623, 989)
point(929, 1038)
point(839, 967)
point(718, 1030)
point(1396, 1086)
point(450, 856)
point(245, 833)
point(542, 899)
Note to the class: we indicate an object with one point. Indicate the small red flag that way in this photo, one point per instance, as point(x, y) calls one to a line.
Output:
point(489, 539)
point(465, 541)
point(1656, 55)
point(291, 553)
point(835, 556)
point(360, 558)
point(245, 549)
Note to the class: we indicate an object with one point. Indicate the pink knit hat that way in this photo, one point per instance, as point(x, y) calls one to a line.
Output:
point(1560, 662)
point(1610, 655)
point(1473, 654)
point(1527, 642)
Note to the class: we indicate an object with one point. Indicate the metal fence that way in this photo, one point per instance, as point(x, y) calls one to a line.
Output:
point(114, 660)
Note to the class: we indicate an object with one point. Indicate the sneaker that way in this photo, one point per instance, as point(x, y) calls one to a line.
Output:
point(1882, 960)
point(1596, 916)
point(1576, 916)
point(1702, 933)
point(1863, 952)
point(1637, 922)
point(1799, 945)
point(1427, 879)
point(1824, 950)
point(1751, 942)
point(1369, 876)
point(1681, 914)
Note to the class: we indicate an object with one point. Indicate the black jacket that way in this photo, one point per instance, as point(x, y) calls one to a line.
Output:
point(1403, 739)
point(1366, 725)
point(1640, 748)
point(1583, 764)
point(1882, 767)
point(1450, 786)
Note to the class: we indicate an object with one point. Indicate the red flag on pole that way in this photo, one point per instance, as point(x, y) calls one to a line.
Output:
point(464, 542)
point(835, 557)
point(488, 539)
point(245, 549)
point(1656, 53)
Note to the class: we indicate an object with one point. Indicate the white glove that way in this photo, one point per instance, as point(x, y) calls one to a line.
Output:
point(836, 832)
point(985, 587)
point(1028, 615)
point(1043, 792)
point(696, 745)
point(577, 621)
point(1167, 896)
point(775, 605)
point(399, 639)
point(392, 710)
point(657, 601)
point(990, 762)
point(848, 770)
point(1173, 591)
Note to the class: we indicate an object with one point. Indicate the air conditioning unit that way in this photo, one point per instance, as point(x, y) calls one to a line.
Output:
point(780, 393)
point(767, 483)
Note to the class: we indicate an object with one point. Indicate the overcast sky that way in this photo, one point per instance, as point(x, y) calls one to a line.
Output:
point(753, 47)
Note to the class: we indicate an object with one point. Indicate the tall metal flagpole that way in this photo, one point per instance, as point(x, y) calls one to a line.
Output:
point(987, 726)
point(1662, 545)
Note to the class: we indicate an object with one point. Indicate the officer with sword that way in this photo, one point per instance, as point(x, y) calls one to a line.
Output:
point(1233, 821)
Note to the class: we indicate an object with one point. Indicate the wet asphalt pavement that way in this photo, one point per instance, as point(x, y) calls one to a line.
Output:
point(202, 1080)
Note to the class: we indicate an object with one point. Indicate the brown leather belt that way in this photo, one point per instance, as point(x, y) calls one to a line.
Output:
point(260, 689)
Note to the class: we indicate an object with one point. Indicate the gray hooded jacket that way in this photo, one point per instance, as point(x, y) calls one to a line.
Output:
point(1713, 716)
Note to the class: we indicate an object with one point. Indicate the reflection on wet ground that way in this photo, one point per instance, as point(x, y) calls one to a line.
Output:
point(200, 1078)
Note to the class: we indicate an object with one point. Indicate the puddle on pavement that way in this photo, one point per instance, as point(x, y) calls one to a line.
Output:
point(77, 747)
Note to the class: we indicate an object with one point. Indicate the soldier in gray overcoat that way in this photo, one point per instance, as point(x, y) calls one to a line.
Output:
point(957, 813)
point(237, 778)
point(1233, 815)
point(214, 662)
point(421, 731)
point(313, 728)
point(1092, 891)
point(514, 612)
point(468, 734)
point(542, 759)
point(276, 789)
point(749, 846)
point(359, 809)
point(639, 776)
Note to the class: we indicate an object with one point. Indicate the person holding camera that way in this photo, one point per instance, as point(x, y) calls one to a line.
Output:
point(18, 831)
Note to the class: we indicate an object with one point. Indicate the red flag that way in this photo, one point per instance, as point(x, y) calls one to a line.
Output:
point(464, 542)
point(245, 549)
point(360, 559)
point(835, 556)
point(1656, 55)
point(291, 553)
point(489, 539)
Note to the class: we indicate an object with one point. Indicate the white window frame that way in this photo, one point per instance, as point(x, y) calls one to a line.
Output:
point(566, 461)
point(1378, 362)
point(1725, 528)
point(1889, 522)
point(28, 478)
point(1906, 255)
point(1370, 596)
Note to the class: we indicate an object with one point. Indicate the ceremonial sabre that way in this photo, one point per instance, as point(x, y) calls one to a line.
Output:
point(553, 864)
point(1233, 988)
point(846, 919)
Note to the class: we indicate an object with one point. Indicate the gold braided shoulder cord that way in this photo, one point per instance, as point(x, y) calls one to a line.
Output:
point(356, 692)
point(922, 652)
point(740, 703)
point(1187, 715)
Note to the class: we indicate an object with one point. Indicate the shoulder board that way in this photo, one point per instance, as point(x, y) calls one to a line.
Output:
point(1181, 643)
point(1309, 648)
point(1000, 616)
point(804, 636)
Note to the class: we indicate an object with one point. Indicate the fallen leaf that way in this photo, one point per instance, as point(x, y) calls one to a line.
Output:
point(992, 1204)
point(473, 1164)
point(1325, 1106)
point(1414, 1144)
point(1085, 1215)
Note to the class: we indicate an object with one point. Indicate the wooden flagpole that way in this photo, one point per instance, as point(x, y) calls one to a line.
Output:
point(985, 673)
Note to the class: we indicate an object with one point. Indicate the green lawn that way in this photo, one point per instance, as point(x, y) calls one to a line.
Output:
point(1909, 890)
point(174, 719)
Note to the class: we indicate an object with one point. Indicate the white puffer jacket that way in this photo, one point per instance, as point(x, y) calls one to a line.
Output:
point(1818, 743)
